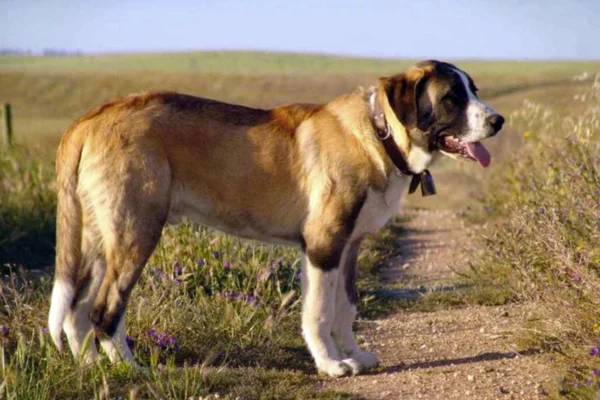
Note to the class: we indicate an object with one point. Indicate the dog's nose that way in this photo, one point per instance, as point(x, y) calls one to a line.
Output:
point(496, 121)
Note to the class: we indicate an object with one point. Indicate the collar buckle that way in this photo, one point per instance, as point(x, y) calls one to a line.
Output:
point(383, 134)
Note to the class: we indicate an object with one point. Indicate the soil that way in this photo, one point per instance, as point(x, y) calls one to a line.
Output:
point(461, 353)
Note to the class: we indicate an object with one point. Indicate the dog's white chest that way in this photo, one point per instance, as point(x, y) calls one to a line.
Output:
point(379, 207)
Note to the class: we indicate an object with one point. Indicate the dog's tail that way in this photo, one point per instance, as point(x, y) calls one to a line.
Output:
point(68, 231)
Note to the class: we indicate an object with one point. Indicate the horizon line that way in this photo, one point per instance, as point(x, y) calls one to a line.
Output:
point(82, 53)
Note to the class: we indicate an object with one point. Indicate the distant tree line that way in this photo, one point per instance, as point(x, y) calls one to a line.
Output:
point(45, 52)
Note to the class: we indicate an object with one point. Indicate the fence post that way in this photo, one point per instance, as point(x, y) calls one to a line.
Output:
point(7, 133)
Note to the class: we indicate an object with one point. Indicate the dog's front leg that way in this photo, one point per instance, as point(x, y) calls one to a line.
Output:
point(325, 236)
point(345, 312)
point(318, 313)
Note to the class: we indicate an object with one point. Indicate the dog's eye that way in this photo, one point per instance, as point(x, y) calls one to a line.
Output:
point(449, 101)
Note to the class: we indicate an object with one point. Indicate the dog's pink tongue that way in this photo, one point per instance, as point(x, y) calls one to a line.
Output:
point(480, 153)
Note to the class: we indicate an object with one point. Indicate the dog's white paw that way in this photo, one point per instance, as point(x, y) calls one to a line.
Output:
point(366, 359)
point(354, 365)
point(334, 368)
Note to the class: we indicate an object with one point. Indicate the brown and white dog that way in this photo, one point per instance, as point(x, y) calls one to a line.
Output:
point(317, 176)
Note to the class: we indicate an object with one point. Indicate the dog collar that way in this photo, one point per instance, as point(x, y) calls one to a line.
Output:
point(384, 134)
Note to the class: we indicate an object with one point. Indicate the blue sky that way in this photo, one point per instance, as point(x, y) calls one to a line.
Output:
point(415, 28)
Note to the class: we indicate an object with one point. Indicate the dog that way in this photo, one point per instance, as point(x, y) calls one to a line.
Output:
point(320, 177)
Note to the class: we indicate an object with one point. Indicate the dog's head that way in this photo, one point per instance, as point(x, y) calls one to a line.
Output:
point(437, 105)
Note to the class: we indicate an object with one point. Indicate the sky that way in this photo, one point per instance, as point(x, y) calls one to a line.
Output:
point(484, 29)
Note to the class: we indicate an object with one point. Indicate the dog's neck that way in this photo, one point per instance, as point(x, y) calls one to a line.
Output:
point(396, 142)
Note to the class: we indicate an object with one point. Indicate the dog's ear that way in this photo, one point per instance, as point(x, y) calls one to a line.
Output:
point(407, 96)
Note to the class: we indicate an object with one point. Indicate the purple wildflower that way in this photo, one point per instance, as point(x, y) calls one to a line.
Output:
point(163, 340)
point(542, 210)
point(216, 254)
point(201, 262)
point(232, 295)
point(576, 277)
point(594, 351)
point(4, 330)
point(590, 382)
point(178, 269)
point(44, 330)
point(130, 342)
point(250, 299)
point(158, 272)
point(596, 371)
point(177, 281)
point(488, 209)
point(227, 265)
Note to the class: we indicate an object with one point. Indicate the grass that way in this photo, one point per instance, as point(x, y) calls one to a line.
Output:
point(264, 63)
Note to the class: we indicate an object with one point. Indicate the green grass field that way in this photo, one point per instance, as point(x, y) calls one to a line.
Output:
point(238, 335)
point(262, 63)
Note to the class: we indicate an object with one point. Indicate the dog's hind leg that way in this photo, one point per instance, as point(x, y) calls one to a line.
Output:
point(77, 325)
point(116, 347)
point(131, 211)
point(128, 243)
point(128, 248)
point(346, 300)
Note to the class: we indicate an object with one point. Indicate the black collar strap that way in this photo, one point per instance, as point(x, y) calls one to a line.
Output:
point(384, 133)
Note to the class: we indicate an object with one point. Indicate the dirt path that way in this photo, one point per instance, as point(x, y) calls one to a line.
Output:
point(467, 353)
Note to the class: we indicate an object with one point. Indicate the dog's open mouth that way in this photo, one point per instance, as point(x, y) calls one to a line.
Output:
point(472, 151)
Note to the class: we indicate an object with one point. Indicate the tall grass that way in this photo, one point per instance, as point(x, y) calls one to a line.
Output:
point(546, 245)
point(27, 216)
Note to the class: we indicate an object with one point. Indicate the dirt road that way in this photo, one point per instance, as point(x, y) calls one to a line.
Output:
point(464, 353)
